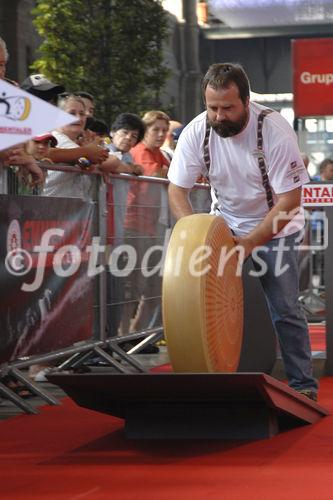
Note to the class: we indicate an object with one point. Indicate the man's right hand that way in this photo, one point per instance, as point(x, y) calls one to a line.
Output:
point(17, 156)
point(136, 169)
point(179, 201)
point(95, 153)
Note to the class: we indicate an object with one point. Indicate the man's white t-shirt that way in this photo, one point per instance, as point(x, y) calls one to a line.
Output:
point(234, 171)
point(67, 184)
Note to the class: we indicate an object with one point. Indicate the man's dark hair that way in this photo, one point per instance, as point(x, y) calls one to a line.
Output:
point(129, 121)
point(85, 95)
point(222, 75)
point(98, 126)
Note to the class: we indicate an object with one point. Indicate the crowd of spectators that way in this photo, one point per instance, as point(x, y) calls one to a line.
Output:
point(132, 145)
point(87, 143)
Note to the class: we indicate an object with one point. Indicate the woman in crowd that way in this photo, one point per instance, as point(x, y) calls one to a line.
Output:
point(142, 224)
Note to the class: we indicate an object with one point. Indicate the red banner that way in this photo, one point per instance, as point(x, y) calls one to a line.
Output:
point(46, 295)
point(313, 76)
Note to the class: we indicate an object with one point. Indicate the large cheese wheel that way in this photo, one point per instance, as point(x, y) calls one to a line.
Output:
point(202, 300)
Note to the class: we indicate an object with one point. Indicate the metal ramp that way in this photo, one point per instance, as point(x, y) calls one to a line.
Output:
point(193, 405)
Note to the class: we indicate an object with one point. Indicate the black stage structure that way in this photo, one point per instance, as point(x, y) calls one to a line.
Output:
point(193, 405)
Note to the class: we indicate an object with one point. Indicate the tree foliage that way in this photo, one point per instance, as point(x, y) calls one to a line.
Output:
point(110, 48)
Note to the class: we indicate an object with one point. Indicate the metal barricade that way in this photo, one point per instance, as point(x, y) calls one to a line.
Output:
point(121, 237)
point(140, 230)
point(48, 309)
point(122, 252)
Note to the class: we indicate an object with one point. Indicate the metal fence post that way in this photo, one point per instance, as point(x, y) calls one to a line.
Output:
point(102, 212)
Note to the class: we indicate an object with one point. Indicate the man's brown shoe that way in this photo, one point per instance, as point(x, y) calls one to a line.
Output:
point(309, 393)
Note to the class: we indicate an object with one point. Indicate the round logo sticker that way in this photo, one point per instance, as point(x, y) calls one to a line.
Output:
point(18, 260)
point(14, 239)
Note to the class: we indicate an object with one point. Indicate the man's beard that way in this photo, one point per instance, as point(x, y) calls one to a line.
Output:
point(227, 128)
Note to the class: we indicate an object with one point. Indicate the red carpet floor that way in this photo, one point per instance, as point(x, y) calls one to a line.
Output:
point(71, 453)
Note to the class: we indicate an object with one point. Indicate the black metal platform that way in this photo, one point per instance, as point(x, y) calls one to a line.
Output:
point(193, 406)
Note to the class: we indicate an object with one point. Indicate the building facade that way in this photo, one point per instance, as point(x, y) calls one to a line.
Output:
point(192, 46)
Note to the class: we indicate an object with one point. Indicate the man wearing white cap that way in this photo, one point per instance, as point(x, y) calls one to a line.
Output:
point(39, 86)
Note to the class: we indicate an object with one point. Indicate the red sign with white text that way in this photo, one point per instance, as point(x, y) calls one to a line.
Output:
point(313, 76)
point(317, 194)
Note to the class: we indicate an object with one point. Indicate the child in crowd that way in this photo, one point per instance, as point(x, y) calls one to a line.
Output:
point(126, 131)
point(39, 147)
point(22, 164)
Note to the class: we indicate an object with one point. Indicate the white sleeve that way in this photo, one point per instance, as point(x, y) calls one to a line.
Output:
point(64, 142)
point(187, 163)
point(286, 170)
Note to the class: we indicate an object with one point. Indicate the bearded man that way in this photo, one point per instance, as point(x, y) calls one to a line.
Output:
point(251, 158)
